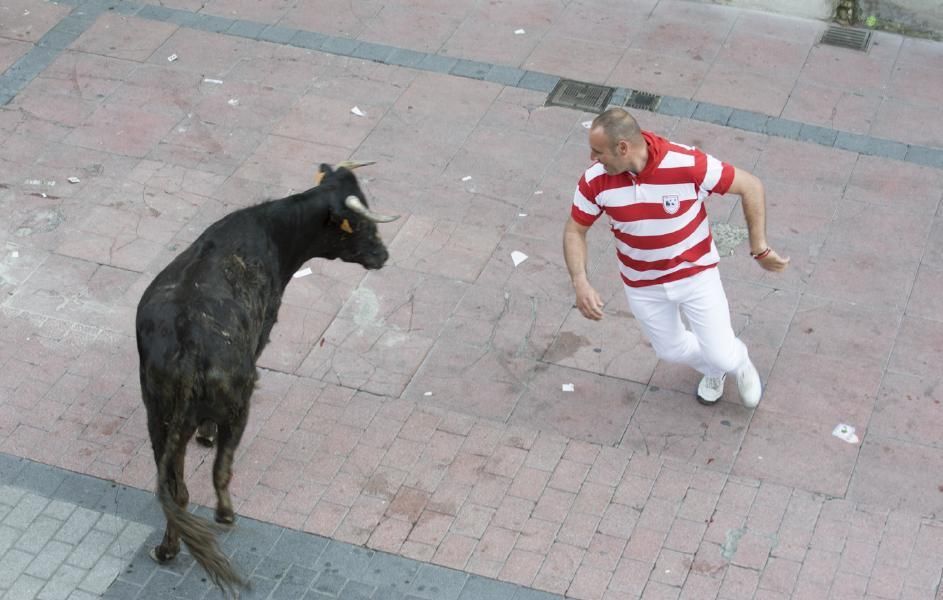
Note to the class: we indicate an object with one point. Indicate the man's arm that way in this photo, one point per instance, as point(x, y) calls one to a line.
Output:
point(588, 300)
point(753, 200)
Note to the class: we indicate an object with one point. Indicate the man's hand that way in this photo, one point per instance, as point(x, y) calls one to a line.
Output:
point(773, 262)
point(574, 252)
point(589, 302)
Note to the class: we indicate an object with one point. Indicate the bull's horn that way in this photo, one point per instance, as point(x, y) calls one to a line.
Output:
point(350, 165)
point(354, 204)
point(353, 164)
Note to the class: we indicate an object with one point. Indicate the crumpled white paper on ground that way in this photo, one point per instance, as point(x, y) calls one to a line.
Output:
point(845, 432)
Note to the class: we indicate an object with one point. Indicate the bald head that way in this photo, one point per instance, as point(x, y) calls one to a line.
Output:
point(618, 125)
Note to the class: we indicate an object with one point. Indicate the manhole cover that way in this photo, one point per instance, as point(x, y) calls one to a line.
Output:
point(847, 37)
point(642, 100)
point(583, 96)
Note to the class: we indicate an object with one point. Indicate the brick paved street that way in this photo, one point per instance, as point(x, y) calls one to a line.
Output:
point(411, 436)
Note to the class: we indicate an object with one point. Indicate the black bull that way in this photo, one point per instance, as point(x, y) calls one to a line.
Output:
point(203, 322)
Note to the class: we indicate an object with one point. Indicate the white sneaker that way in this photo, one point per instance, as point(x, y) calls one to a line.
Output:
point(710, 389)
point(748, 381)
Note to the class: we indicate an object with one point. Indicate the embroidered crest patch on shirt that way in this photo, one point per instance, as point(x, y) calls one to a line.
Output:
point(671, 204)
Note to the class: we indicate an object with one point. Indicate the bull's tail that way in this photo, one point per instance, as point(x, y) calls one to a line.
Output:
point(198, 534)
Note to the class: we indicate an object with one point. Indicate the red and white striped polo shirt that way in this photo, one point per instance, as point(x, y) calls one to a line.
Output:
point(658, 216)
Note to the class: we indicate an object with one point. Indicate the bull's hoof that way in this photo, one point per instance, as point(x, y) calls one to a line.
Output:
point(206, 440)
point(225, 517)
point(161, 556)
point(206, 433)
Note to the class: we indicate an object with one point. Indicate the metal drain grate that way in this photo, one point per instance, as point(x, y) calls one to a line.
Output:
point(642, 100)
point(583, 96)
point(847, 37)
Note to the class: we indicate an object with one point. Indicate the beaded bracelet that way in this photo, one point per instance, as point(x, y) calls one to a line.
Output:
point(761, 255)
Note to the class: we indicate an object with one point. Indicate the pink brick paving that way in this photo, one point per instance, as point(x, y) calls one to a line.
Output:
point(418, 410)
point(684, 527)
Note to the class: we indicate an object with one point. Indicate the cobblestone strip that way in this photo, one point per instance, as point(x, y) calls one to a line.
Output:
point(59, 38)
point(52, 549)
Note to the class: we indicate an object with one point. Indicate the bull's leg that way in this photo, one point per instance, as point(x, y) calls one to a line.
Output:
point(156, 428)
point(158, 434)
point(227, 442)
point(206, 434)
point(170, 546)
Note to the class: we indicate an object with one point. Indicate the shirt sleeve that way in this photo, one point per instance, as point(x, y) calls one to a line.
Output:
point(584, 211)
point(717, 175)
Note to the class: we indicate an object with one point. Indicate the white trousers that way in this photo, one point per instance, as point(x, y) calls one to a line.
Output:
point(710, 346)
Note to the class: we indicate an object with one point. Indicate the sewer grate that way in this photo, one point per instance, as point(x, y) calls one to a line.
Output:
point(642, 100)
point(847, 37)
point(583, 96)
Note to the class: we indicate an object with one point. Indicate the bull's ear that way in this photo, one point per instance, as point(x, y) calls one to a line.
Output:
point(336, 213)
point(336, 219)
point(323, 171)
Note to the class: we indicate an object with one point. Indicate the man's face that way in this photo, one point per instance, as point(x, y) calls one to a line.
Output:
point(614, 158)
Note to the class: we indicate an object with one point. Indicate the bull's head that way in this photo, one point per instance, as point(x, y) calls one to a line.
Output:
point(359, 240)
